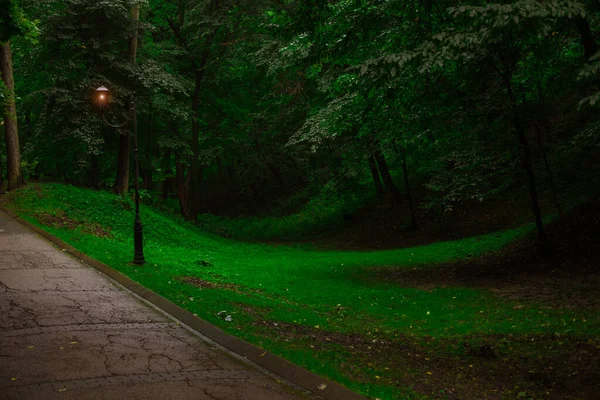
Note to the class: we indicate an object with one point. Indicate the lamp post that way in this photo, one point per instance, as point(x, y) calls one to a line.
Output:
point(102, 98)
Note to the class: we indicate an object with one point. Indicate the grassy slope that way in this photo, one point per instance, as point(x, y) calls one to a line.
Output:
point(320, 294)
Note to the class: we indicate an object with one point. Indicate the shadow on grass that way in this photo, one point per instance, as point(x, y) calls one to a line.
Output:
point(568, 278)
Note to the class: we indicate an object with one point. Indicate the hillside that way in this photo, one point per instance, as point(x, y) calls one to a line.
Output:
point(473, 318)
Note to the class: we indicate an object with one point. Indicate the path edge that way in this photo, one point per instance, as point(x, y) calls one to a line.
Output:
point(279, 366)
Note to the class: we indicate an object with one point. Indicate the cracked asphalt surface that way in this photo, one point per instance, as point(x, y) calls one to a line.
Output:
point(67, 332)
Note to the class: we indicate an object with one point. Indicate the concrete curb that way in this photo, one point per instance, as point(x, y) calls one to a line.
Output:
point(277, 365)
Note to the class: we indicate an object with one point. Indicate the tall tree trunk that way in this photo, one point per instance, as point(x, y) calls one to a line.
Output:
point(533, 194)
point(590, 47)
point(190, 197)
point(277, 174)
point(193, 177)
point(148, 183)
point(271, 166)
point(546, 126)
point(165, 189)
point(94, 175)
point(149, 131)
point(194, 200)
point(133, 41)
point(123, 162)
point(230, 174)
point(526, 161)
point(376, 178)
point(166, 165)
point(122, 181)
point(146, 166)
point(28, 130)
point(182, 180)
point(11, 130)
point(548, 170)
point(390, 186)
point(1, 173)
point(411, 206)
point(183, 191)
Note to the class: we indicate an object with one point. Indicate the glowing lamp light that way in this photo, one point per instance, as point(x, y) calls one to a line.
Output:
point(102, 94)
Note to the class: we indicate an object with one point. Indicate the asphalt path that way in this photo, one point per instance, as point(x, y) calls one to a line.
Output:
point(69, 332)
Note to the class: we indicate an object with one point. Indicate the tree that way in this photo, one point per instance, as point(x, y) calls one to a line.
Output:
point(12, 23)
point(248, 106)
point(11, 132)
point(124, 154)
point(502, 39)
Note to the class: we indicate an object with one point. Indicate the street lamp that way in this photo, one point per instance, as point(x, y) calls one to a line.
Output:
point(102, 99)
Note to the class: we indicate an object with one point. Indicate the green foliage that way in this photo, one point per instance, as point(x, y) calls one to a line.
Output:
point(14, 23)
point(467, 175)
point(243, 106)
point(322, 214)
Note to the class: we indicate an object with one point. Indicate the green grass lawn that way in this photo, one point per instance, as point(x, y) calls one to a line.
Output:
point(331, 312)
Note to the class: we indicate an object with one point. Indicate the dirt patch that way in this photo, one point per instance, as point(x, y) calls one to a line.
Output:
point(247, 291)
point(257, 313)
point(202, 284)
point(482, 367)
point(60, 220)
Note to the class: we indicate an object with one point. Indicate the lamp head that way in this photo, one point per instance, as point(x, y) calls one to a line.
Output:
point(102, 95)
